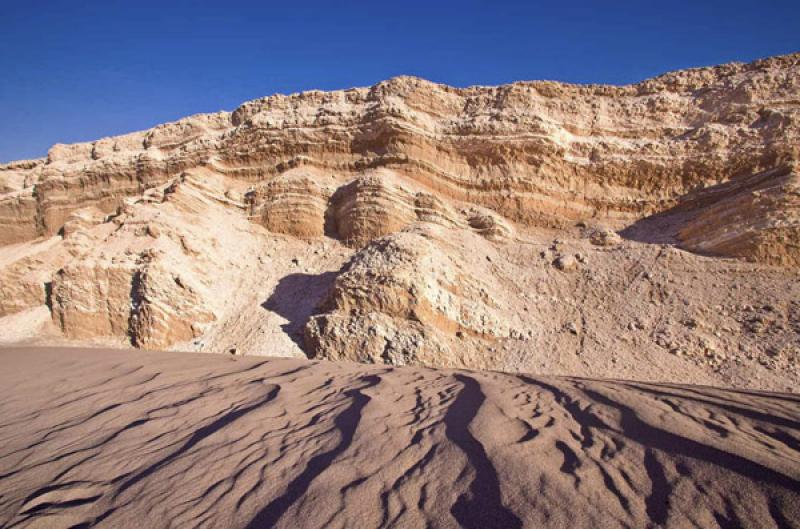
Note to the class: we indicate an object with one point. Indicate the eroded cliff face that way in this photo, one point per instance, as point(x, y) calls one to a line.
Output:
point(412, 222)
point(157, 270)
point(411, 292)
point(753, 217)
point(535, 152)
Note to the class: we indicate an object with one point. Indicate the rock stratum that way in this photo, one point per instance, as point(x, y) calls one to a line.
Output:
point(648, 231)
point(120, 439)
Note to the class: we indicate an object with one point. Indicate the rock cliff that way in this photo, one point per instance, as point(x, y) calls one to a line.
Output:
point(537, 226)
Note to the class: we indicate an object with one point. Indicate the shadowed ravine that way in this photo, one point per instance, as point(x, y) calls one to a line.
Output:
point(97, 438)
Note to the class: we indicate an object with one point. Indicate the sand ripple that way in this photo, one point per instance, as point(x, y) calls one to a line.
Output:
point(127, 439)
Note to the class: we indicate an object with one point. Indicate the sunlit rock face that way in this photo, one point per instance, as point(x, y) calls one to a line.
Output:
point(646, 231)
point(535, 152)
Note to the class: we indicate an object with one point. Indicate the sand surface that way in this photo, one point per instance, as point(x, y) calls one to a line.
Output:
point(147, 440)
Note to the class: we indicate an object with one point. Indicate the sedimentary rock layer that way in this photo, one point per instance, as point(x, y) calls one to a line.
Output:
point(533, 226)
point(753, 218)
point(295, 203)
point(404, 298)
point(535, 152)
point(146, 275)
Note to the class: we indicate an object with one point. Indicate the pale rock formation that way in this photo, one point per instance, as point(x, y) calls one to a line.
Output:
point(754, 218)
point(25, 273)
point(294, 203)
point(81, 221)
point(454, 208)
point(488, 224)
point(566, 263)
point(150, 281)
point(536, 152)
point(93, 299)
point(403, 299)
point(604, 237)
point(370, 207)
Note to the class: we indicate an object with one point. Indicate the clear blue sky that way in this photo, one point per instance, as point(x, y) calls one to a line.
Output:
point(80, 70)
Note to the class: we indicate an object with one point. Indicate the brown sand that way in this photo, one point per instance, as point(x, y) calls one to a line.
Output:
point(146, 440)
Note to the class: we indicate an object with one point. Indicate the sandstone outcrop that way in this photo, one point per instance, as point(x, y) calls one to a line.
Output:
point(604, 237)
point(307, 204)
point(755, 218)
point(295, 203)
point(406, 299)
point(536, 226)
point(146, 281)
point(535, 152)
point(370, 207)
point(25, 275)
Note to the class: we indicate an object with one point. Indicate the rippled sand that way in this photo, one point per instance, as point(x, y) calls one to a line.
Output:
point(148, 440)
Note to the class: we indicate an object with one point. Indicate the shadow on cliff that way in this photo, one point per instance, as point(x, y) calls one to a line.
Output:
point(661, 228)
point(296, 297)
point(744, 188)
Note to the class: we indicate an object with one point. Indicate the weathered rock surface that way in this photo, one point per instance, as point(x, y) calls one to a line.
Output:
point(294, 203)
point(536, 226)
point(754, 218)
point(536, 152)
point(370, 207)
point(150, 279)
point(26, 271)
point(403, 299)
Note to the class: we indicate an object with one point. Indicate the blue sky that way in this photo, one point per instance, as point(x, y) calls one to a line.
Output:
point(80, 70)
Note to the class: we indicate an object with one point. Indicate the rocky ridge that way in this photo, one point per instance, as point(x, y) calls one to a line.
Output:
point(533, 226)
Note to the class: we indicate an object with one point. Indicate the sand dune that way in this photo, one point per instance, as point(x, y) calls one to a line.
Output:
point(132, 439)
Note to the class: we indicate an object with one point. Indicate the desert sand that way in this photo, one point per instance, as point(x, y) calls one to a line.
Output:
point(530, 305)
point(122, 439)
